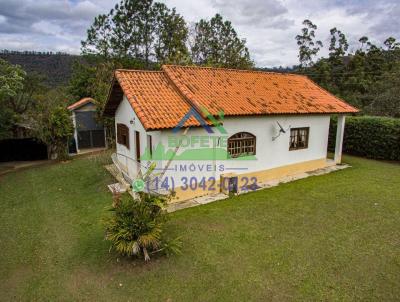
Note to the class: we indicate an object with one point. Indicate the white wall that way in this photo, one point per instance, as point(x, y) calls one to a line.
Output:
point(270, 154)
point(124, 115)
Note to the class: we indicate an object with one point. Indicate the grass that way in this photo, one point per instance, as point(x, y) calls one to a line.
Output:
point(331, 237)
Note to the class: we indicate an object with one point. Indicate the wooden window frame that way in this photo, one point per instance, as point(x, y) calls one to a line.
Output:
point(242, 144)
point(123, 135)
point(295, 133)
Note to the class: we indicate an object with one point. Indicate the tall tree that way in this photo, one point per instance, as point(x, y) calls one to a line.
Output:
point(338, 45)
point(171, 36)
point(139, 29)
point(391, 44)
point(216, 43)
point(308, 46)
point(98, 39)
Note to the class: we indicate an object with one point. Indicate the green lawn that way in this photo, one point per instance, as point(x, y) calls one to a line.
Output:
point(331, 237)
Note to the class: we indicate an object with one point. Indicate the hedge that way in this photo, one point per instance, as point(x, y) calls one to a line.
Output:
point(369, 136)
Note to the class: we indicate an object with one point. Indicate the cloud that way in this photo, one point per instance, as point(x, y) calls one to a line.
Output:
point(269, 26)
point(266, 13)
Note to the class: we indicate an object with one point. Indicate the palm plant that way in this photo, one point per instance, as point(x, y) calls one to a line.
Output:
point(135, 226)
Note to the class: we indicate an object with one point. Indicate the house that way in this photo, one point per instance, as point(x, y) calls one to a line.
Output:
point(211, 129)
point(88, 132)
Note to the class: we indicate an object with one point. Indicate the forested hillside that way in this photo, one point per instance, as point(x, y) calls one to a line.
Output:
point(56, 68)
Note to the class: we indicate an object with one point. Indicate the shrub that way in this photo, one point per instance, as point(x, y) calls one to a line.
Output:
point(369, 136)
point(136, 226)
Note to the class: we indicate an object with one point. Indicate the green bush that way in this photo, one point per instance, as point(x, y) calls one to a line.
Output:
point(135, 227)
point(369, 136)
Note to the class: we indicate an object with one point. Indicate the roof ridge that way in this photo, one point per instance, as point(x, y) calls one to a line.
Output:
point(235, 70)
point(186, 95)
point(138, 70)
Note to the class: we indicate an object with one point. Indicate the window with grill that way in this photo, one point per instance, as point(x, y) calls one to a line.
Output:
point(123, 135)
point(241, 144)
point(299, 138)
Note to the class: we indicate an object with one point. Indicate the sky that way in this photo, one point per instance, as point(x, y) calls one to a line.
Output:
point(269, 26)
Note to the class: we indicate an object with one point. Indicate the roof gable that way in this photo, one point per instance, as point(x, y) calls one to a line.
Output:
point(80, 103)
point(155, 100)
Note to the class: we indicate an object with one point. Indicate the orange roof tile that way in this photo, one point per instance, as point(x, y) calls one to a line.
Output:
point(245, 92)
point(80, 103)
point(154, 99)
point(162, 98)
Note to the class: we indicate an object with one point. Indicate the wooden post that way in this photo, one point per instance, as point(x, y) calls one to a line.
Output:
point(339, 138)
point(75, 131)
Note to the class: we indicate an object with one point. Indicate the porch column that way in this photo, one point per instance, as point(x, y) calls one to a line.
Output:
point(75, 131)
point(339, 138)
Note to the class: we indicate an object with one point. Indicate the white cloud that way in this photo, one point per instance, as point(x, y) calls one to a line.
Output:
point(269, 26)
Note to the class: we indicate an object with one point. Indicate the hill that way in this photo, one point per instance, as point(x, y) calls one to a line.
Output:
point(55, 67)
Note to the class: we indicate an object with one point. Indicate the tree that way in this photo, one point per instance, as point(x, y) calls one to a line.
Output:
point(216, 43)
point(171, 36)
point(139, 29)
point(11, 79)
point(363, 40)
point(52, 122)
point(98, 39)
point(83, 74)
point(338, 45)
point(391, 44)
point(308, 47)
point(11, 83)
point(25, 98)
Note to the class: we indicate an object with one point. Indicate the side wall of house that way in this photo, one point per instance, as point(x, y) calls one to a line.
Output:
point(273, 157)
point(127, 157)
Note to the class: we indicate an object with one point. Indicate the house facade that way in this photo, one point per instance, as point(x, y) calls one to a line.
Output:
point(208, 130)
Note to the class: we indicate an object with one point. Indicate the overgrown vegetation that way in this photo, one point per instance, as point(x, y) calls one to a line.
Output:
point(25, 102)
point(369, 136)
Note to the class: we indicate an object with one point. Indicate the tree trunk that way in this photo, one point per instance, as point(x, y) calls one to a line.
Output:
point(51, 152)
point(146, 255)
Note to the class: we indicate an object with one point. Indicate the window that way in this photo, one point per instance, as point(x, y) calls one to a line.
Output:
point(123, 135)
point(299, 138)
point(242, 143)
point(150, 145)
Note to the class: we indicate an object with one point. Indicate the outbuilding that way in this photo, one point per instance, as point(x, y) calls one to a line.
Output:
point(89, 133)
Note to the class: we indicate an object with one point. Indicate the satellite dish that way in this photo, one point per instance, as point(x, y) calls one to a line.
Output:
point(281, 131)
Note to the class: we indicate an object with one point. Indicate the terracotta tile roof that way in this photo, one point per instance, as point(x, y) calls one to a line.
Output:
point(80, 103)
point(156, 101)
point(240, 92)
point(162, 98)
